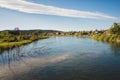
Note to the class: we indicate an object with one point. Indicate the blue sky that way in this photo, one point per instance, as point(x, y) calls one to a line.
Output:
point(65, 15)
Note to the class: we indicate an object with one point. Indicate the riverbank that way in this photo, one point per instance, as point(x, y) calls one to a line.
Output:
point(8, 45)
point(110, 35)
point(15, 38)
point(106, 38)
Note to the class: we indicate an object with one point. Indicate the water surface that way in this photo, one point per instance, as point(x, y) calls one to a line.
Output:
point(61, 58)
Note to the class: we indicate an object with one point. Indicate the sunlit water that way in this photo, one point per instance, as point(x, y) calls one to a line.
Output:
point(61, 58)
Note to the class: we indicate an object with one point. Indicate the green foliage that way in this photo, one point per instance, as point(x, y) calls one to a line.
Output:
point(14, 44)
point(115, 29)
point(112, 36)
point(17, 38)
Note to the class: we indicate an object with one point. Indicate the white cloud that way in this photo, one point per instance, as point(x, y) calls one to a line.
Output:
point(34, 8)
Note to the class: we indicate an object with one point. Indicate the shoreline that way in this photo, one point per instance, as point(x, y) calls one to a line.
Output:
point(10, 45)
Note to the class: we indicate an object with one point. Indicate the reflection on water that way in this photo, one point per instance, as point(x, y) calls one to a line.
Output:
point(61, 58)
point(115, 44)
point(19, 53)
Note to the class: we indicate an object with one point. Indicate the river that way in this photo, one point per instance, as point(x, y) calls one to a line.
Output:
point(61, 58)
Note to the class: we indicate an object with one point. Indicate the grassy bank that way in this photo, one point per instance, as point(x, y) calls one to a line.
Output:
point(14, 38)
point(7, 45)
point(107, 38)
point(110, 35)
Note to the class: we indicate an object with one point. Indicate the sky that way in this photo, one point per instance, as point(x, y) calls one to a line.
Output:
point(64, 15)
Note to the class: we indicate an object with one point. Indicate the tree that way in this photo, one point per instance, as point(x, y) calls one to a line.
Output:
point(16, 29)
point(115, 29)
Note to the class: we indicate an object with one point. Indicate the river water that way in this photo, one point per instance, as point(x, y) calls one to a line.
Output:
point(61, 58)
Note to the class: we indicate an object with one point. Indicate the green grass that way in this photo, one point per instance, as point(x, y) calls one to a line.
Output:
point(7, 45)
point(107, 38)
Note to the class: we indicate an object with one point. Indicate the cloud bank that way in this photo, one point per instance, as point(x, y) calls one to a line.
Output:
point(34, 8)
